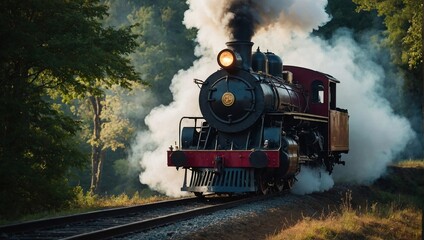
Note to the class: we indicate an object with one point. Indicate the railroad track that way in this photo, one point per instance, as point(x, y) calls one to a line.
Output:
point(114, 222)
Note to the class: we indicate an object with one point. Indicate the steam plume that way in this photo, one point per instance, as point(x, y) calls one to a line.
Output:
point(243, 23)
point(246, 17)
point(312, 180)
point(376, 133)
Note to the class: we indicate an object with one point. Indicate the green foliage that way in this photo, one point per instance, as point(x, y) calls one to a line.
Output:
point(114, 130)
point(126, 178)
point(166, 46)
point(50, 47)
point(343, 15)
point(391, 31)
point(55, 41)
point(403, 185)
point(117, 130)
point(35, 154)
point(403, 20)
point(83, 200)
point(91, 201)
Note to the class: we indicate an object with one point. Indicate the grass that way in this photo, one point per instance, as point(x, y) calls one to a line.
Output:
point(90, 201)
point(396, 211)
point(86, 202)
point(419, 163)
point(400, 224)
point(377, 221)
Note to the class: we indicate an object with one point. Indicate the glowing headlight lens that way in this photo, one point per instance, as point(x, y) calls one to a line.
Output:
point(226, 58)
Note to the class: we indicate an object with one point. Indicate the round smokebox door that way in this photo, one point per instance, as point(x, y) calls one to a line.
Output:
point(231, 100)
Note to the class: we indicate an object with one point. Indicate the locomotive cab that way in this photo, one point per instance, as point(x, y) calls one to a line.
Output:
point(321, 92)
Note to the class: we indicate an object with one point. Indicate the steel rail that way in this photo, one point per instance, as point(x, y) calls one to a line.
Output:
point(164, 220)
point(57, 221)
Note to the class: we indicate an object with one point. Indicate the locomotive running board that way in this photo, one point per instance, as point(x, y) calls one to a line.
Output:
point(307, 117)
point(228, 180)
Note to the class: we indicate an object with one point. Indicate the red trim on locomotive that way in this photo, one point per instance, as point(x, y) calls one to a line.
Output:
point(337, 129)
point(230, 158)
point(306, 77)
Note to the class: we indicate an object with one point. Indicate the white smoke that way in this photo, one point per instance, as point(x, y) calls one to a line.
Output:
point(312, 180)
point(292, 16)
point(376, 133)
point(150, 146)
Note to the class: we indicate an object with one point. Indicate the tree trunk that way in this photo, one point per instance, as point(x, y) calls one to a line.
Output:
point(96, 150)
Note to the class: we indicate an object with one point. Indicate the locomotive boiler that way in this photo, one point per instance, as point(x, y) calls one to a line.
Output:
point(261, 122)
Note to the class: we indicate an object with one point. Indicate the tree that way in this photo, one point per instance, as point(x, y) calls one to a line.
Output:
point(50, 47)
point(111, 128)
point(96, 145)
point(165, 45)
point(404, 21)
point(343, 15)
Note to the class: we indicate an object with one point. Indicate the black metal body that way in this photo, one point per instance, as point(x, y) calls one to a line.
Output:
point(259, 126)
point(254, 94)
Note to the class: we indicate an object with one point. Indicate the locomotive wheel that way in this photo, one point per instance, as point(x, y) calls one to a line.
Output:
point(289, 183)
point(264, 185)
point(280, 185)
point(199, 194)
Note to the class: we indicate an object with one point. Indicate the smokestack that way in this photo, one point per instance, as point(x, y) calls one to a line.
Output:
point(242, 27)
point(244, 48)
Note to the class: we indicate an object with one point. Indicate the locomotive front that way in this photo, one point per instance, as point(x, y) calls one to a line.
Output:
point(235, 97)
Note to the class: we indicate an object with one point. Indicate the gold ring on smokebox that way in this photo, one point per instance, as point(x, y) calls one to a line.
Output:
point(228, 99)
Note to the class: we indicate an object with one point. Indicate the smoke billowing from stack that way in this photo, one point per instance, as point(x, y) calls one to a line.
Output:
point(244, 20)
point(248, 16)
point(376, 134)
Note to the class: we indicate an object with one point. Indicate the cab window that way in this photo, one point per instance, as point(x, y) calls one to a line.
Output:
point(317, 92)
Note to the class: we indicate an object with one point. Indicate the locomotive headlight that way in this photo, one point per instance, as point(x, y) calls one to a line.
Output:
point(228, 59)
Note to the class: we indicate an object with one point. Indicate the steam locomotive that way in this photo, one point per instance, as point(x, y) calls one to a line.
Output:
point(261, 123)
